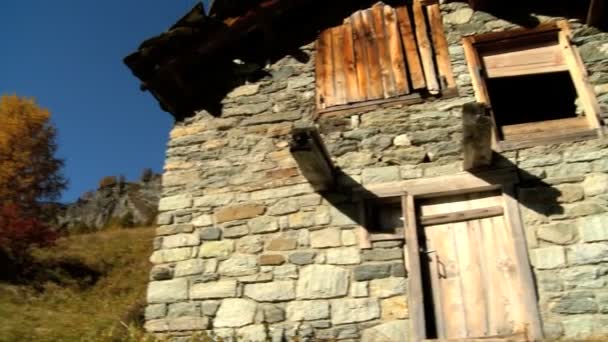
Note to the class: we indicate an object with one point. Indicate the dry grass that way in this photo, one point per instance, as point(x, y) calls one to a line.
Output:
point(89, 287)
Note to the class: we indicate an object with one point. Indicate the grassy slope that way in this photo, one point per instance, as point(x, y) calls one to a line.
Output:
point(73, 311)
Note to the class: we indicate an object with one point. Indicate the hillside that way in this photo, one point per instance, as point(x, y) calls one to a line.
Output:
point(83, 289)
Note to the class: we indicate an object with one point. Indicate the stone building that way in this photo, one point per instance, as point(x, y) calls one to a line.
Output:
point(353, 170)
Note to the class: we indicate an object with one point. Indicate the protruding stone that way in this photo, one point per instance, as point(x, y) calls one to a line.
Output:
point(394, 308)
point(276, 291)
point(343, 256)
point(213, 290)
point(354, 310)
point(161, 272)
point(387, 287)
point(329, 237)
point(234, 313)
point(216, 249)
point(239, 265)
point(372, 271)
point(271, 260)
point(386, 332)
point(322, 281)
point(402, 140)
point(168, 291)
point(239, 212)
point(307, 310)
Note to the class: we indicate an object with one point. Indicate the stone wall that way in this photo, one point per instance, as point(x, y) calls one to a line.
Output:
point(247, 250)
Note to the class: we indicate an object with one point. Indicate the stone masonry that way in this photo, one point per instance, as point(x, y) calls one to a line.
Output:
point(246, 250)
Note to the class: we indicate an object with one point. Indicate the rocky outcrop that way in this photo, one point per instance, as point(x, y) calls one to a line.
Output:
point(120, 203)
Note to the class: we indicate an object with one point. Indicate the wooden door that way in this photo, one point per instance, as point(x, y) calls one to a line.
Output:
point(477, 287)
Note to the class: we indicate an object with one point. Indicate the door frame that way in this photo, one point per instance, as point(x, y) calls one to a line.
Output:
point(465, 182)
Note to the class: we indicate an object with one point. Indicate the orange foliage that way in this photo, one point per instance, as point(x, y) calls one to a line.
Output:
point(29, 171)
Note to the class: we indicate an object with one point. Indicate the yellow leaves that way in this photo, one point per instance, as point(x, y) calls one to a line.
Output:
point(27, 146)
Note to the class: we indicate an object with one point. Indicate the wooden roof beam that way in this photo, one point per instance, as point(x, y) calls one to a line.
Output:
point(312, 157)
point(476, 136)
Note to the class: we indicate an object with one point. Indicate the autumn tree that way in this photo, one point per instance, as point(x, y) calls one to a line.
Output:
point(30, 174)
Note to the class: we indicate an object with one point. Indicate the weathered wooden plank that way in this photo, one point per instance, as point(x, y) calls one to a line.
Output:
point(325, 70)
point(415, 293)
point(361, 57)
point(575, 135)
point(536, 59)
point(464, 215)
point(440, 43)
point(424, 47)
point(528, 297)
point(337, 36)
point(551, 127)
point(411, 48)
point(398, 66)
point(375, 88)
point(584, 89)
point(350, 68)
point(477, 129)
point(449, 204)
point(388, 81)
point(451, 289)
point(370, 105)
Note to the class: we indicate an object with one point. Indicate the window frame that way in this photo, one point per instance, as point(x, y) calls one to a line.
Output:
point(574, 65)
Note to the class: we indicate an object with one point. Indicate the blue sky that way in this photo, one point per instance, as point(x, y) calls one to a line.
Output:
point(68, 55)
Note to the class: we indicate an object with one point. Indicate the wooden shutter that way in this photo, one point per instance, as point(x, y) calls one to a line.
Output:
point(381, 53)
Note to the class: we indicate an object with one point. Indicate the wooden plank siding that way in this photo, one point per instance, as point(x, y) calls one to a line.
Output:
point(379, 54)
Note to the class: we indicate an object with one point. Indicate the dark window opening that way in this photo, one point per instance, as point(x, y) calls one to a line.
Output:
point(427, 287)
point(532, 98)
point(384, 216)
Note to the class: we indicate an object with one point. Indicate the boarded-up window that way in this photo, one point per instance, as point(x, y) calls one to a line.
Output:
point(383, 53)
point(535, 83)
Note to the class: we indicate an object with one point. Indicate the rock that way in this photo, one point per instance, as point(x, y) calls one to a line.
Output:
point(213, 290)
point(307, 310)
point(322, 281)
point(175, 202)
point(171, 255)
point(377, 143)
point(548, 258)
point(263, 224)
point(343, 256)
point(239, 212)
point(299, 82)
point(349, 238)
point(578, 327)
point(239, 265)
point(215, 200)
point(236, 231)
point(282, 192)
point(584, 277)
point(354, 310)
point(177, 324)
point(234, 313)
point(273, 313)
point(252, 333)
point(302, 258)
point(168, 291)
point(285, 206)
point(181, 240)
point(359, 289)
point(189, 267)
point(184, 309)
point(576, 303)
point(596, 184)
point(216, 249)
point(271, 260)
point(395, 331)
point(210, 233)
point(244, 90)
point(380, 175)
point(557, 233)
point(209, 307)
point(387, 287)
point(342, 215)
point(398, 270)
point(262, 277)
point(402, 140)
point(246, 109)
point(161, 272)
point(372, 271)
point(174, 229)
point(276, 291)
point(394, 308)
point(285, 272)
point(588, 253)
point(382, 254)
point(154, 311)
point(594, 228)
point(330, 237)
point(271, 118)
point(281, 244)
point(250, 244)
point(570, 193)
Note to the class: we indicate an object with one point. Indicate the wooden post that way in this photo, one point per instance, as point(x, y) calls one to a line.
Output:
point(476, 136)
point(312, 158)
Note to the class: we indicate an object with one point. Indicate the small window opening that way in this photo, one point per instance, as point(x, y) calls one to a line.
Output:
point(532, 98)
point(384, 216)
